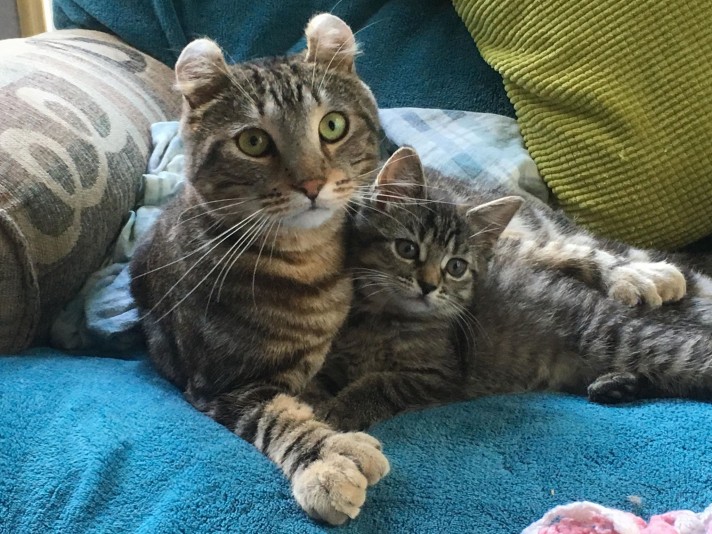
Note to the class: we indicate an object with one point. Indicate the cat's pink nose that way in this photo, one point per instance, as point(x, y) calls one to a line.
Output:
point(310, 188)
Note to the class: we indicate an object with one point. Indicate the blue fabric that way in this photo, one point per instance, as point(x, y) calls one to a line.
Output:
point(482, 147)
point(415, 53)
point(105, 445)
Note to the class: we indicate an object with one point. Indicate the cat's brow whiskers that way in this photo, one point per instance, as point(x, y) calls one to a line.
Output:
point(356, 52)
point(234, 81)
point(226, 234)
point(374, 208)
point(326, 71)
point(487, 228)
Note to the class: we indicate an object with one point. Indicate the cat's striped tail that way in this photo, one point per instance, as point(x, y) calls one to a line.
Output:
point(329, 470)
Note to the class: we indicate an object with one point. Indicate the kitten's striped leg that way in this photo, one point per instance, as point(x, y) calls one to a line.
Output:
point(329, 470)
point(378, 396)
point(629, 280)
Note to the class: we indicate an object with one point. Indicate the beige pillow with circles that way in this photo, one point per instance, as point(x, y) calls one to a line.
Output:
point(76, 107)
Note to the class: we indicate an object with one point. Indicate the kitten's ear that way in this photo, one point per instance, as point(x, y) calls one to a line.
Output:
point(401, 178)
point(201, 71)
point(489, 220)
point(330, 41)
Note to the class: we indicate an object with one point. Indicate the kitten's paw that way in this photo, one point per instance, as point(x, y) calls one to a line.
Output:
point(341, 416)
point(614, 388)
point(650, 283)
point(333, 488)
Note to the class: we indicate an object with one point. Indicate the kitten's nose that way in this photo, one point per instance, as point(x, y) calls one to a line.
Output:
point(426, 287)
point(310, 188)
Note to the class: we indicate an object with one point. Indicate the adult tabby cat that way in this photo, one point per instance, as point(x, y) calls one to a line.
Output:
point(241, 285)
point(449, 305)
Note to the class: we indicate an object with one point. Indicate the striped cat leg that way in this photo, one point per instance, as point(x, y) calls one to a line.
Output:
point(378, 396)
point(631, 281)
point(329, 470)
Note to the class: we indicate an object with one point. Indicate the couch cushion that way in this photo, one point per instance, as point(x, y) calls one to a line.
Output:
point(615, 105)
point(74, 139)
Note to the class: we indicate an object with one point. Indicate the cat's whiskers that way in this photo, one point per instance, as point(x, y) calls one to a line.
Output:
point(213, 211)
point(230, 250)
point(251, 234)
point(226, 235)
point(204, 245)
point(205, 203)
point(274, 239)
point(465, 314)
point(227, 254)
point(259, 254)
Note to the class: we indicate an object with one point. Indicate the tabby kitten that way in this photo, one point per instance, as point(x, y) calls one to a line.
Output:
point(448, 307)
point(241, 284)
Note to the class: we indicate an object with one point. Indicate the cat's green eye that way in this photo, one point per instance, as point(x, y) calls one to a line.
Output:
point(254, 142)
point(456, 267)
point(333, 127)
point(407, 249)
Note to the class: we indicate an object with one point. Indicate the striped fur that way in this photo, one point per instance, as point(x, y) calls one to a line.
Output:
point(242, 284)
point(531, 314)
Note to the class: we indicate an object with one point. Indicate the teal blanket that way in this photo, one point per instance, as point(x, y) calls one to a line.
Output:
point(105, 445)
point(414, 53)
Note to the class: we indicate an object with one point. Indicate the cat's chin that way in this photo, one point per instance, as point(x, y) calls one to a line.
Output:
point(308, 219)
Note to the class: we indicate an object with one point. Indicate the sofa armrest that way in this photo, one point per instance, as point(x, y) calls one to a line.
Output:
point(77, 107)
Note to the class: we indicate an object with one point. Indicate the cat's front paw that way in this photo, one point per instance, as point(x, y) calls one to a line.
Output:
point(614, 388)
point(333, 488)
point(649, 283)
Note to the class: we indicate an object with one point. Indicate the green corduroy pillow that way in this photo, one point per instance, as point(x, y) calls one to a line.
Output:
point(614, 100)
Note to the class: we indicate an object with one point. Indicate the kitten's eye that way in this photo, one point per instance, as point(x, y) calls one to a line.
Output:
point(456, 267)
point(407, 249)
point(333, 127)
point(254, 142)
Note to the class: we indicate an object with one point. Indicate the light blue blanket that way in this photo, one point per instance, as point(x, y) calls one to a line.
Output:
point(105, 445)
point(471, 146)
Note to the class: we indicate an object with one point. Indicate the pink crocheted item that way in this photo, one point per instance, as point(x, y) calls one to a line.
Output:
point(590, 518)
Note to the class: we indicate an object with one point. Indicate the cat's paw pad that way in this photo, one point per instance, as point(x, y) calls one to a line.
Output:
point(333, 488)
point(364, 450)
point(614, 388)
point(650, 283)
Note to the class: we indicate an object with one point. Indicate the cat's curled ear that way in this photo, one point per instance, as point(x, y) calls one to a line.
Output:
point(201, 72)
point(401, 179)
point(489, 220)
point(330, 41)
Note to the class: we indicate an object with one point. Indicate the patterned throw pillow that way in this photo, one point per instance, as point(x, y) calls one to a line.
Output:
point(74, 140)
